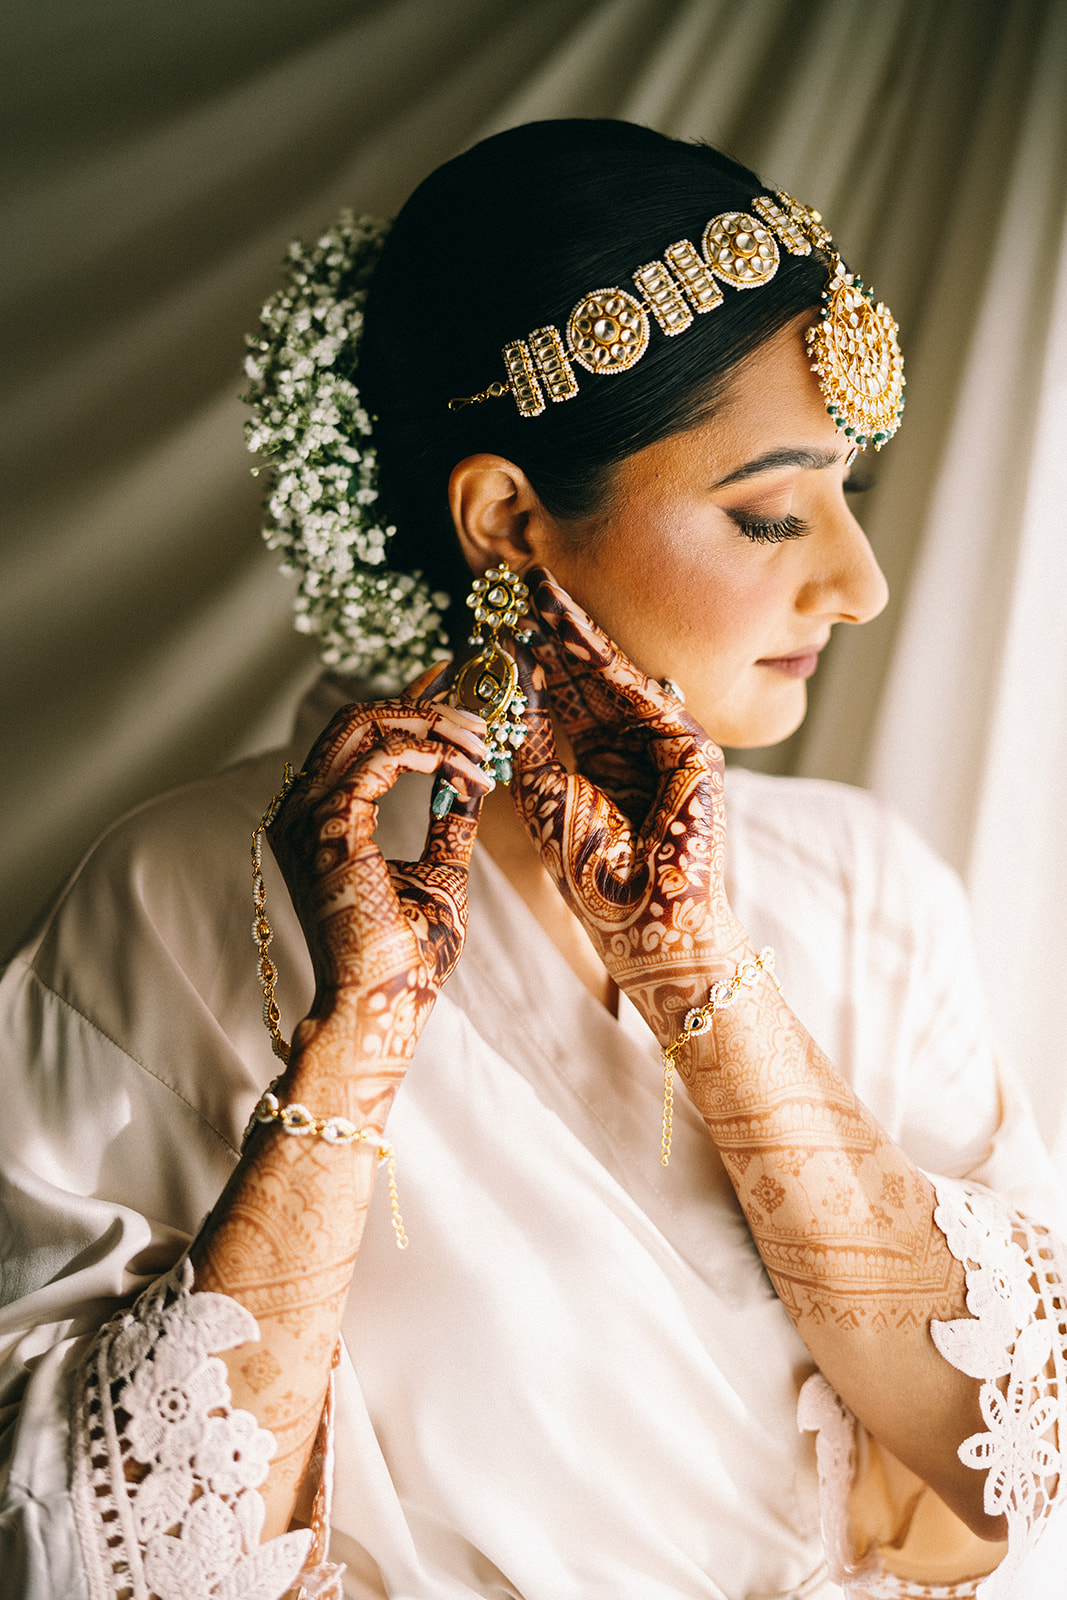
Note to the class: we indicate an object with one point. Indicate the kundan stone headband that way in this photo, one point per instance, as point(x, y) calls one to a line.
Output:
point(852, 347)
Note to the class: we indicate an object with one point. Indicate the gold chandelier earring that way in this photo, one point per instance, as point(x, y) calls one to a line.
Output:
point(488, 684)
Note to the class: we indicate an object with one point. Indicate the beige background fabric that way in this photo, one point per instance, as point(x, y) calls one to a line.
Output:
point(156, 160)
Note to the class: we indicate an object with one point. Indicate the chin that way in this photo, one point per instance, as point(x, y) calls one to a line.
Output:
point(765, 726)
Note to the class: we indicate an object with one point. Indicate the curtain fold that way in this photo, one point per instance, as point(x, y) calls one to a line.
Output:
point(982, 763)
point(155, 164)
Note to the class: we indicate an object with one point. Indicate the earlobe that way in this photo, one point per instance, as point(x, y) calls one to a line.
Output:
point(495, 512)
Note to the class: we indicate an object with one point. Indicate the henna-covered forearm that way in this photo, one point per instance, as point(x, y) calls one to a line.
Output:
point(383, 937)
point(283, 1241)
point(842, 1218)
point(843, 1221)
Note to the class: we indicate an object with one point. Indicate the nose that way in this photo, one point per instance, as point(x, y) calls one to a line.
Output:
point(845, 581)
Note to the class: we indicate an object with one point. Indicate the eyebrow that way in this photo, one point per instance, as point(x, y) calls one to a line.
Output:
point(811, 459)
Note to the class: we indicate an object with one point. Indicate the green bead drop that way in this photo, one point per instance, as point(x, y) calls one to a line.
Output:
point(444, 794)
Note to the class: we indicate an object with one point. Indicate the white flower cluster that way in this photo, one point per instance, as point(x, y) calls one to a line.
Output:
point(308, 419)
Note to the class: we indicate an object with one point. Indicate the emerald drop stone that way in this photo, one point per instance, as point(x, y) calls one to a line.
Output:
point(444, 794)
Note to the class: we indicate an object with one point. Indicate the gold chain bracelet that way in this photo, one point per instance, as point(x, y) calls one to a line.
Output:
point(723, 995)
point(262, 932)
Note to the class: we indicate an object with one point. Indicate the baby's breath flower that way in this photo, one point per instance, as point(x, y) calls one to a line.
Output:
point(309, 421)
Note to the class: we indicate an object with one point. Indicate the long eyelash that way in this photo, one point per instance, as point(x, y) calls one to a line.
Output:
point(770, 532)
point(857, 484)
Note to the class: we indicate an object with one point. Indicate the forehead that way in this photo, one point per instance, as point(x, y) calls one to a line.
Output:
point(773, 402)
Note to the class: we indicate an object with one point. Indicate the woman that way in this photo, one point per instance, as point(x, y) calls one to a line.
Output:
point(583, 1375)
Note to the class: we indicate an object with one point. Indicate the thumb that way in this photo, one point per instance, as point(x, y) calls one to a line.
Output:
point(451, 833)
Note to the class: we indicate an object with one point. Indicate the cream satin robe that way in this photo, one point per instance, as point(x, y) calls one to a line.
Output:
point(577, 1382)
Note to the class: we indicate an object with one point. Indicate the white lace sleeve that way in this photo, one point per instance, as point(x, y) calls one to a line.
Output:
point(165, 1471)
point(1015, 1343)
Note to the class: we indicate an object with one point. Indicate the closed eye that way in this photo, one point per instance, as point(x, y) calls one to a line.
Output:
point(762, 531)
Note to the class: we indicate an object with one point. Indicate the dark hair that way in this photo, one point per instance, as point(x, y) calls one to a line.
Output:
point(506, 238)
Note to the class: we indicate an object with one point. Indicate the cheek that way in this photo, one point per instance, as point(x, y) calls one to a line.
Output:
point(721, 606)
point(665, 593)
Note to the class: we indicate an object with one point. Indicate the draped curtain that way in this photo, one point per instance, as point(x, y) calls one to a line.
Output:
point(157, 159)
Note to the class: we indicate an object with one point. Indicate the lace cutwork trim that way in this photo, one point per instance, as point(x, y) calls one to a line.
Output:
point(1015, 1343)
point(165, 1471)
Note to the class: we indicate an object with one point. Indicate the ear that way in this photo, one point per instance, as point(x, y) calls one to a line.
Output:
point(496, 513)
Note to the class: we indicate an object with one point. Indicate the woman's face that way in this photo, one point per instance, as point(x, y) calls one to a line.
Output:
point(730, 551)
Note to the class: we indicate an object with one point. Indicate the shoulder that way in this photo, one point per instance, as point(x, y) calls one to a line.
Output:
point(142, 979)
point(175, 841)
point(156, 900)
point(205, 810)
point(833, 842)
point(835, 821)
point(875, 950)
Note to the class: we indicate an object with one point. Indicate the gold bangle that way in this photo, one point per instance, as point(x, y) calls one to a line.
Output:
point(723, 995)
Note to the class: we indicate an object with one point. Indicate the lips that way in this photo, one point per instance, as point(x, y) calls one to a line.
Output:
point(800, 664)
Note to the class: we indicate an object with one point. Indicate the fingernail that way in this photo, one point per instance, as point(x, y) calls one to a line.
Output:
point(469, 719)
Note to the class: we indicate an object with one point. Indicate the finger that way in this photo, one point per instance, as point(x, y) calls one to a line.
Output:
point(435, 684)
point(376, 772)
point(594, 662)
point(434, 681)
point(539, 745)
point(605, 690)
point(584, 842)
point(688, 809)
point(569, 818)
point(450, 834)
point(544, 792)
point(583, 642)
point(343, 818)
point(533, 678)
point(358, 729)
point(457, 721)
point(538, 755)
point(613, 755)
point(352, 730)
point(428, 755)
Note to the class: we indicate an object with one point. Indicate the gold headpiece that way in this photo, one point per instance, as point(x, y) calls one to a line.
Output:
point(853, 347)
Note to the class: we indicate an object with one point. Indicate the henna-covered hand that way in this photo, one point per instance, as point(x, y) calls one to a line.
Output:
point(635, 838)
point(383, 935)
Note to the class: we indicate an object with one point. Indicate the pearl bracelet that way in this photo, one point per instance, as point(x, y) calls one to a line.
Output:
point(296, 1119)
point(723, 995)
